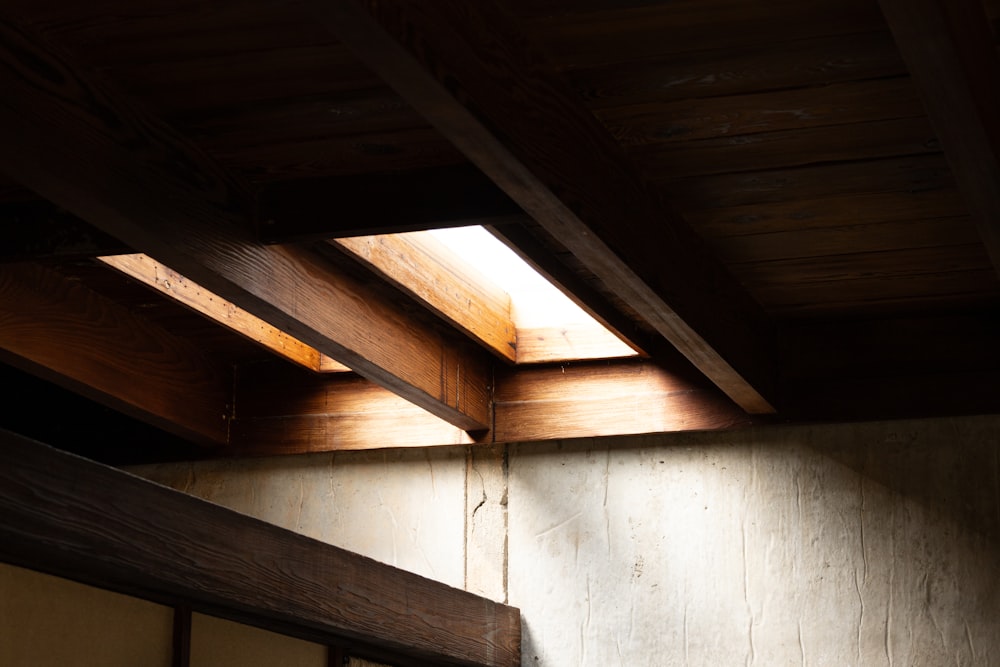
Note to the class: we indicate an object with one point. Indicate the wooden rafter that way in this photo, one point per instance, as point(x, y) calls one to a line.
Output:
point(466, 70)
point(34, 231)
point(66, 136)
point(131, 535)
point(77, 338)
point(952, 55)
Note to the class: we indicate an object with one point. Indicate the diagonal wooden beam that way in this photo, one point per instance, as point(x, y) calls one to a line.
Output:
point(952, 55)
point(65, 515)
point(66, 136)
point(34, 231)
point(60, 330)
point(473, 76)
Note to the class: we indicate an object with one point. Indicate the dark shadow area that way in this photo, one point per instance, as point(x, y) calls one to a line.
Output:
point(42, 411)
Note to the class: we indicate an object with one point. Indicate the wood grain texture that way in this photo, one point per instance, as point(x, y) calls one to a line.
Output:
point(69, 138)
point(449, 285)
point(597, 399)
point(90, 344)
point(474, 77)
point(280, 411)
point(951, 51)
point(128, 534)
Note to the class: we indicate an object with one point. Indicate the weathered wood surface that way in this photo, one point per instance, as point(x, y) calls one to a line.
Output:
point(85, 521)
point(73, 336)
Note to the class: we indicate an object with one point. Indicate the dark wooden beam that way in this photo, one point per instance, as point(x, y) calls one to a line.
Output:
point(951, 51)
point(409, 201)
point(81, 520)
point(468, 71)
point(60, 330)
point(34, 231)
point(64, 134)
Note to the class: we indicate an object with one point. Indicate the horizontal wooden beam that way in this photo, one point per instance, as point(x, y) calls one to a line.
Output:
point(319, 209)
point(282, 411)
point(85, 148)
point(425, 268)
point(79, 519)
point(590, 399)
point(68, 334)
point(951, 51)
point(168, 282)
point(469, 72)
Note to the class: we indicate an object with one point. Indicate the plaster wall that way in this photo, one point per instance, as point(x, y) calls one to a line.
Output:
point(864, 544)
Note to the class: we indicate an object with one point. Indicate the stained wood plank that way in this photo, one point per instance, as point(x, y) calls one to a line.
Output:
point(472, 75)
point(389, 203)
point(597, 399)
point(951, 52)
point(918, 173)
point(738, 71)
point(657, 122)
point(580, 39)
point(846, 239)
point(450, 286)
point(830, 212)
point(87, 149)
point(787, 148)
point(60, 330)
point(128, 534)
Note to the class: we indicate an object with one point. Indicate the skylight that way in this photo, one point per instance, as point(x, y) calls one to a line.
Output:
point(481, 286)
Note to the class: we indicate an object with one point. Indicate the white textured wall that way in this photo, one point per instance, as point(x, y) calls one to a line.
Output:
point(864, 545)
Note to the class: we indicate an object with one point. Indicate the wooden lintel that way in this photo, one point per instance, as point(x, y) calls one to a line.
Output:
point(64, 332)
point(589, 399)
point(318, 209)
point(425, 268)
point(951, 52)
point(85, 521)
point(533, 137)
point(283, 412)
point(70, 138)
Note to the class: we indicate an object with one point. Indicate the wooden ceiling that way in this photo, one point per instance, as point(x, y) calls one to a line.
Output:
point(791, 207)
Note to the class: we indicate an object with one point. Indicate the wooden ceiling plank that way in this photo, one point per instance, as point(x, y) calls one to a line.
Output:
point(425, 268)
point(472, 75)
point(406, 201)
point(64, 332)
point(64, 135)
point(950, 49)
point(168, 282)
point(130, 535)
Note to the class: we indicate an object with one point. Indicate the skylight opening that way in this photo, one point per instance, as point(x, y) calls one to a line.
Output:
point(484, 288)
